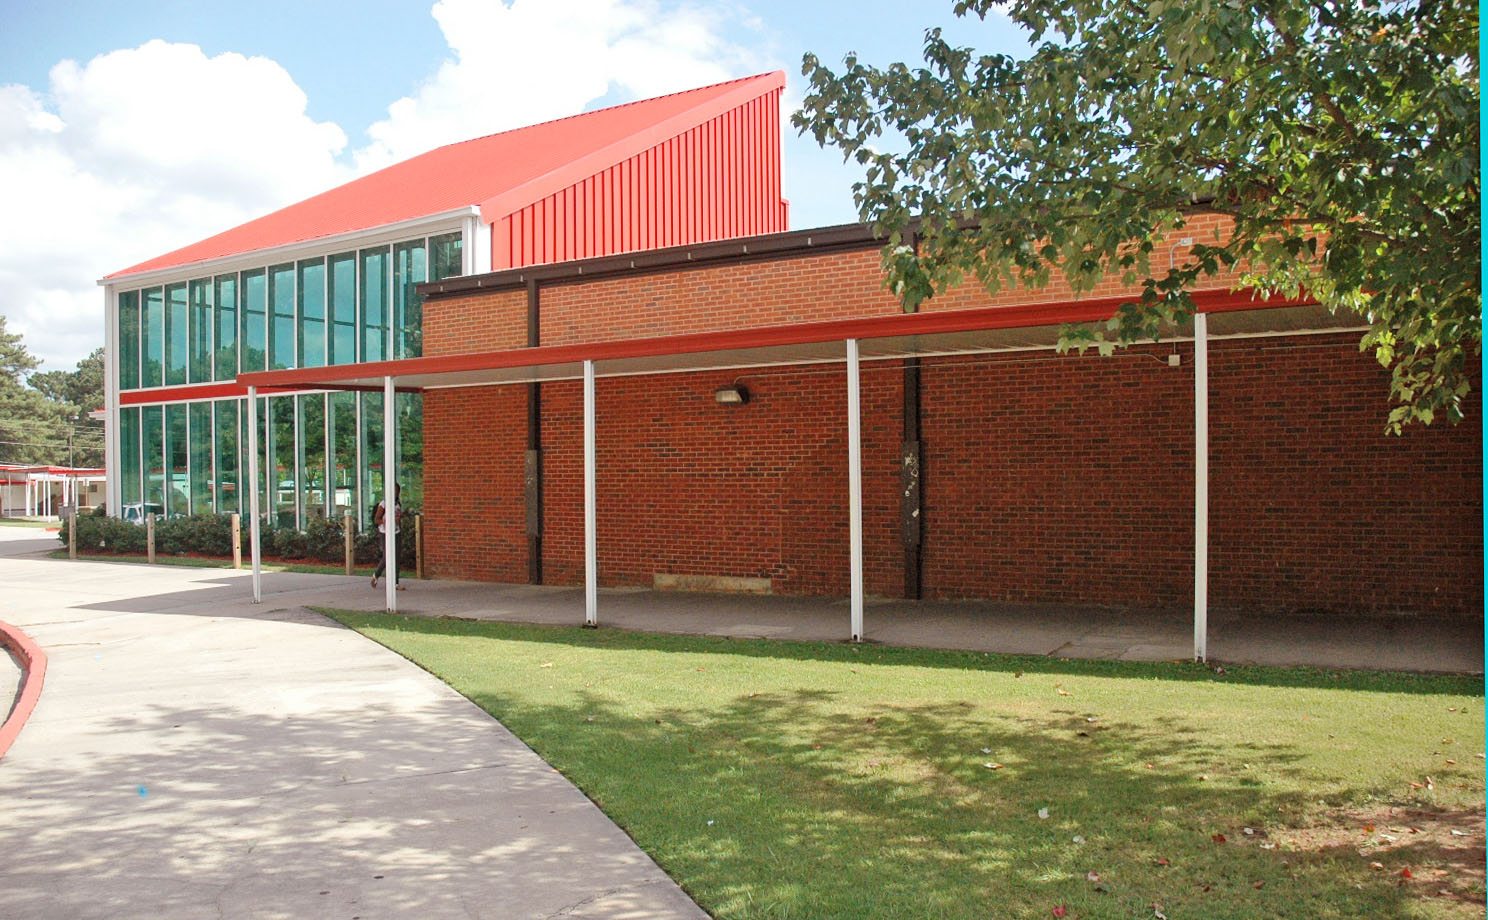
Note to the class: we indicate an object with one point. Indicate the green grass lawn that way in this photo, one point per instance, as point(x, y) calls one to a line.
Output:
point(821, 781)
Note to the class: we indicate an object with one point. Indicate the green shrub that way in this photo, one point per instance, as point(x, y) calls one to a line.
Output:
point(322, 540)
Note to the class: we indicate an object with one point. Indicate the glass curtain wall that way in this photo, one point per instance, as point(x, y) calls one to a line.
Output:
point(226, 450)
point(312, 457)
point(226, 360)
point(312, 312)
point(177, 492)
point(253, 306)
point(152, 427)
point(200, 452)
point(129, 456)
point(342, 294)
point(129, 343)
point(282, 318)
point(322, 453)
point(152, 337)
point(344, 460)
point(199, 334)
point(175, 334)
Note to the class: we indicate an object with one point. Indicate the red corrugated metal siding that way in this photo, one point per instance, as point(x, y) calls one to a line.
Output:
point(716, 181)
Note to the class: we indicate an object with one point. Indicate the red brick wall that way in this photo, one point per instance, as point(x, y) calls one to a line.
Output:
point(1059, 479)
point(1314, 507)
point(475, 440)
point(482, 321)
point(1047, 478)
point(687, 486)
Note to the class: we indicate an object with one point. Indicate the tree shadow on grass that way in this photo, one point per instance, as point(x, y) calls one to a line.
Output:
point(786, 804)
point(811, 802)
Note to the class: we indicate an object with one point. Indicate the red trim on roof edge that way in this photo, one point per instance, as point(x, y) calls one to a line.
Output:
point(873, 327)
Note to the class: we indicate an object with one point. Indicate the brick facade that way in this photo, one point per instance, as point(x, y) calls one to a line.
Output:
point(1047, 478)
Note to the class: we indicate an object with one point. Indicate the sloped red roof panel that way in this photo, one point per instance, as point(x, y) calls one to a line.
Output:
point(499, 169)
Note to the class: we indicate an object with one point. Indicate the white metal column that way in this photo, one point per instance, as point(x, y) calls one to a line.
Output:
point(255, 549)
point(1201, 487)
point(591, 535)
point(855, 487)
point(389, 492)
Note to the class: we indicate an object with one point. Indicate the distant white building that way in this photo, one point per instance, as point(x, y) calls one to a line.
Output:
point(45, 491)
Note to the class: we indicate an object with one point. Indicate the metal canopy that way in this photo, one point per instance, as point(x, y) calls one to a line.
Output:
point(879, 338)
point(848, 342)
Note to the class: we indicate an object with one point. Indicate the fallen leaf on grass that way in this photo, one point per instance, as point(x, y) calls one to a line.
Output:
point(1092, 876)
point(993, 766)
point(1161, 861)
point(1406, 873)
point(1377, 866)
point(1249, 831)
point(1059, 911)
point(1061, 691)
point(1369, 828)
point(546, 664)
point(1259, 885)
point(1217, 838)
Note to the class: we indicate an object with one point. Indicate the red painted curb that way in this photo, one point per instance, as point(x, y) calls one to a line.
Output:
point(34, 661)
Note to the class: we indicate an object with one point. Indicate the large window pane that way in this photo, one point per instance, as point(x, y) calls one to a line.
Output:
point(343, 276)
point(371, 472)
point(374, 303)
point(411, 448)
point(201, 457)
point(177, 490)
point(152, 338)
point(313, 456)
point(152, 433)
point(129, 456)
point(282, 453)
point(312, 303)
point(253, 306)
point(408, 271)
point(265, 470)
point(227, 327)
point(282, 318)
point(199, 360)
point(343, 460)
point(129, 345)
point(444, 256)
point(175, 333)
point(226, 452)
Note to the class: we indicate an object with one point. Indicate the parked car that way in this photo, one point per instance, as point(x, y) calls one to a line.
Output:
point(135, 513)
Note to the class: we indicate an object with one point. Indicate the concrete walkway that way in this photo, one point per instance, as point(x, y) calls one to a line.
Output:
point(196, 756)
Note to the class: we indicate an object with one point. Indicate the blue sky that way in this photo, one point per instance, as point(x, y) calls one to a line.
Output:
point(179, 119)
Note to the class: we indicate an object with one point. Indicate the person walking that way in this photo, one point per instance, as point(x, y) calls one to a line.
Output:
point(379, 517)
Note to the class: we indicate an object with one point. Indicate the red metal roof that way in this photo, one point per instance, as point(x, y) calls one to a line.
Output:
point(500, 173)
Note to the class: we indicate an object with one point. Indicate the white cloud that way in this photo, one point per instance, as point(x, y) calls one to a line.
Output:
point(143, 150)
point(535, 60)
point(133, 154)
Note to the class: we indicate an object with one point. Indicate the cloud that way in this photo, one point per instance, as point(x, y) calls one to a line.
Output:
point(135, 153)
point(142, 150)
point(535, 60)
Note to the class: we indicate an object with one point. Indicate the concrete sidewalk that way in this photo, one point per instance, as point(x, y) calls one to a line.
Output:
point(1379, 643)
point(196, 756)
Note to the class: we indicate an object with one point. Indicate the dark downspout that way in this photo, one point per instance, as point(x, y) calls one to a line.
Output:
point(911, 475)
point(532, 473)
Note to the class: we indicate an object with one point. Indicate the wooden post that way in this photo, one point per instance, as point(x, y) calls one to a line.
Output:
point(348, 531)
point(72, 534)
point(418, 546)
point(237, 532)
point(150, 537)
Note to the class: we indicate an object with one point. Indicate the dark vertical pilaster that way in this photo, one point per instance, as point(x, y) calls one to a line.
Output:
point(532, 471)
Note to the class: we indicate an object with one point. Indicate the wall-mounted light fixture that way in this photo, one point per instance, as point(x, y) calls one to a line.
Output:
point(734, 394)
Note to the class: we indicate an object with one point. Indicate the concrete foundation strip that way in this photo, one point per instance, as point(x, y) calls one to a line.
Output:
point(34, 663)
